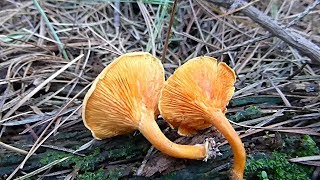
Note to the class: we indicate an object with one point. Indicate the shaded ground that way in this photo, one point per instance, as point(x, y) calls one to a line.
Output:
point(275, 108)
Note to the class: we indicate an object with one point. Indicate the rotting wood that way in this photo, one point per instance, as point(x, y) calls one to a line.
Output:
point(111, 153)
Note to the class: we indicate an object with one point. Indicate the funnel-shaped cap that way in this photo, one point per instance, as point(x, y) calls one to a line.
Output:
point(196, 88)
point(130, 85)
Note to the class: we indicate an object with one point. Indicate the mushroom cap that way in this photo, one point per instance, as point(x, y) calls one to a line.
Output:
point(197, 88)
point(126, 87)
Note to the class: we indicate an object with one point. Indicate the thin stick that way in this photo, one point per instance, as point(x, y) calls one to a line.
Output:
point(283, 97)
point(304, 13)
point(45, 18)
point(14, 149)
point(169, 32)
point(37, 171)
point(40, 86)
point(305, 46)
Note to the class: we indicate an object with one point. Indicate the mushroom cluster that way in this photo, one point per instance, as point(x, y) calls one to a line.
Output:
point(130, 93)
point(124, 98)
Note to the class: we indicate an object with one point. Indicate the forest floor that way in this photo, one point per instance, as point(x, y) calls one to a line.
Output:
point(51, 50)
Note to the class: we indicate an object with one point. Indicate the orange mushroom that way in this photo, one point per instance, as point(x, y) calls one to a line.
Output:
point(195, 97)
point(124, 98)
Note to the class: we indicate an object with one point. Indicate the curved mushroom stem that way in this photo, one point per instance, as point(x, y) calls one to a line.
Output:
point(219, 120)
point(150, 129)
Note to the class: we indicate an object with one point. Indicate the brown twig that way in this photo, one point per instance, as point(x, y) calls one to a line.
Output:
point(294, 39)
point(169, 32)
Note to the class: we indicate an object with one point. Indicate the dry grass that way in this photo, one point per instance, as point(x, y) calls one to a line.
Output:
point(44, 76)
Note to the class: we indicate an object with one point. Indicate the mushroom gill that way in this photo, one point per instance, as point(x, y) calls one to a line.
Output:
point(195, 98)
point(124, 98)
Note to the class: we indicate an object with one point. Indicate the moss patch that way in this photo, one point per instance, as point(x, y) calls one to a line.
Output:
point(249, 113)
point(86, 163)
point(276, 164)
point(92, 175)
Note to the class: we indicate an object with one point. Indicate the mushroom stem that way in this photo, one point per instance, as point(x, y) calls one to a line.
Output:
point(219, 120)
point(150, 129)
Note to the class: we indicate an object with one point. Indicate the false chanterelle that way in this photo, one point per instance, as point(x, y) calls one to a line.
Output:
point(195, 97)
point(124, 98)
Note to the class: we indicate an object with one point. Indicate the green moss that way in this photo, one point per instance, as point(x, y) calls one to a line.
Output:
point(264, 175)
point(277, 166)
point(86, 163)
point(125, 151)
point(115, 173)
point(249, 113)
point(299, 147)
point(92, 175)
point(110, 151)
